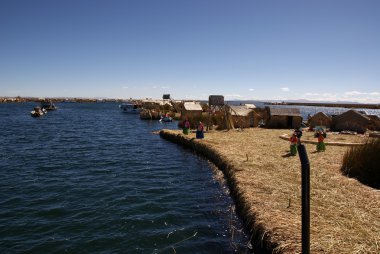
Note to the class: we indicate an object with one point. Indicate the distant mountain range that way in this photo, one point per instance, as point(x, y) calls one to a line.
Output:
point(318, 102)
point(332, 102)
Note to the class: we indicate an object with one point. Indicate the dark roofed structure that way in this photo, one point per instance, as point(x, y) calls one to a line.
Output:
point(320, 119)
point(352, 120)
point(275, 111)
point(283, 117)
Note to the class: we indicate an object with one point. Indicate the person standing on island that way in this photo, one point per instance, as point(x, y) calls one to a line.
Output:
point(186, 127)
point(293, 144)
point(298, 133)
point(321, 147)
point(200, 133)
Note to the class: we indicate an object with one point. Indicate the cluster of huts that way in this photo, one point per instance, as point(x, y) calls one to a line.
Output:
point(248, 115)
point(283, 117)
point(351, 120)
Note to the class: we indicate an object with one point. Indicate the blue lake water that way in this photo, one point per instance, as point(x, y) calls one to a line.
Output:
point(88, 178)
point(306, 110)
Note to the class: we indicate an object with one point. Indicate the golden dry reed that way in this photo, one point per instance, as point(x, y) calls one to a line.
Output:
point(363, 163)
point(266, 185)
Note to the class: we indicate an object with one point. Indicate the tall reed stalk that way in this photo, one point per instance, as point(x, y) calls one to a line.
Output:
point(363, 163)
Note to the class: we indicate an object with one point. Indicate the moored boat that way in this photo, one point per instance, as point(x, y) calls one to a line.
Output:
point(166, 118)
point(37, 112)
point(130, 108)
point(48, 105)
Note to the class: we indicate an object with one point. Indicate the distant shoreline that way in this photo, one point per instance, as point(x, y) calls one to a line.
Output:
point(56, 100)
point(335, 105)
point(267, 103)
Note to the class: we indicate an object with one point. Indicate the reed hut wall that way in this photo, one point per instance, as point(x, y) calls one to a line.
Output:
point(351, 120)
point(243, 121)
point(191, 109)
point(284, 122)
point(258, 115)
point(320, 119)
point(241, 116)
point(283, 118)
point(375, 123)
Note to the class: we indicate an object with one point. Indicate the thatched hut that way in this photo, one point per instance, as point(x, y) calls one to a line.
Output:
point(283, 117)
point(242, 116)
point(375, 123)
point(320, 119)
point(245, 116)
point(191, 108)
point(351, 120)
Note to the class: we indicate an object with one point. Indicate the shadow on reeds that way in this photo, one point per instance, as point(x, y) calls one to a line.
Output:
point(363, 163)
point(287, 155)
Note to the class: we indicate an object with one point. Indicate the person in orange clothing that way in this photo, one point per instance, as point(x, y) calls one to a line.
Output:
point(293, 144)
point(321, 147)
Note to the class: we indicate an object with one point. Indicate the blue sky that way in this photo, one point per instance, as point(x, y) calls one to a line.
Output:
point(262, 50)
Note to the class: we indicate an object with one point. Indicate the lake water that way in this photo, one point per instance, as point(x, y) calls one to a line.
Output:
point(306, 110)
point(88, 178)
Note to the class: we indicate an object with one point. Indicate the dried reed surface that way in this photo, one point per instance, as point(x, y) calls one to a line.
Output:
point(333, 138)
point(266, 184)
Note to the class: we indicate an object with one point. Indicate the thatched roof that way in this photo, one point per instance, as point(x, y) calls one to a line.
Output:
point(351, 120)
point(250, 106)
point(274, 111)
point(320, 119)
point(352, 114)
point(240, 110)
point(192, 106)
point(320, 115)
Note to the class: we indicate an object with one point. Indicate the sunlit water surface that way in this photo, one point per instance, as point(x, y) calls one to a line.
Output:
point(88, 178)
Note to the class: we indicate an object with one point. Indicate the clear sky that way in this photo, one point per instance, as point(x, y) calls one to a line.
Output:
point(262, 50)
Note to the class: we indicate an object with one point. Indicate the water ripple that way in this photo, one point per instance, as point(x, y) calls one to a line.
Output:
point(89, 179)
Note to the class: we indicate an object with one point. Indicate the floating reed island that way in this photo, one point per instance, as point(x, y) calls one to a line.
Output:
point(266, 185)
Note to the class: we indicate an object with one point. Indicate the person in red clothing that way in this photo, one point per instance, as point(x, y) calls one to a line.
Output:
point(200, 133)
point(293, 144)
point(186, 127)
point(321, 147)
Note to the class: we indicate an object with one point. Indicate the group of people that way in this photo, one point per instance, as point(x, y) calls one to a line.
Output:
point(186, 129)
point(295, 140)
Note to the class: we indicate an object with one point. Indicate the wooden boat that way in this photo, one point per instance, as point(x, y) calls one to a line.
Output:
point(166, 119)
point(37, 112)
point(48, 105)
point(130, 108)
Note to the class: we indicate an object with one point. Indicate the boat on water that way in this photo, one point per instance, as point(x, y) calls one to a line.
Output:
point(130, 108)
point(166, 118)
point(37, 112)
point(48, 105)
